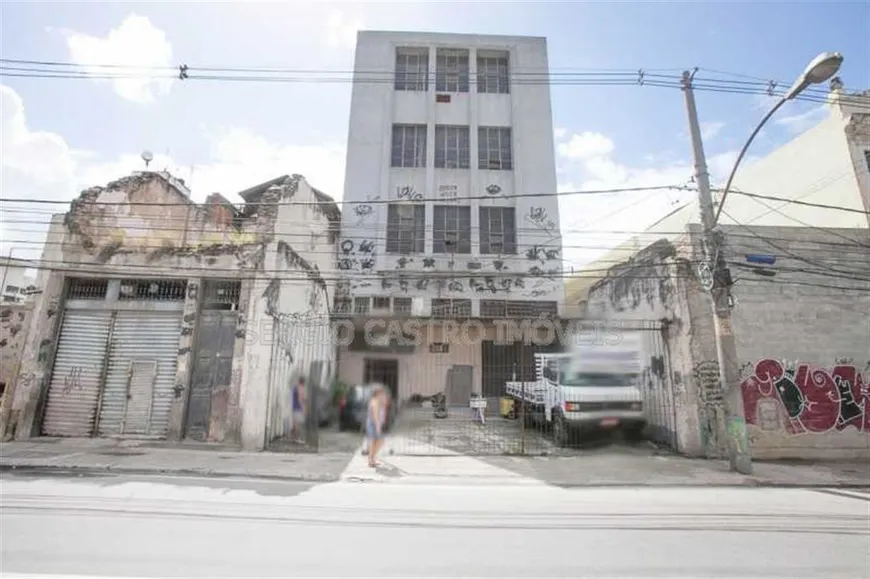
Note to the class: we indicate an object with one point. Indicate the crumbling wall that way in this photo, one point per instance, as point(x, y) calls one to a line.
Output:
point(651, 293)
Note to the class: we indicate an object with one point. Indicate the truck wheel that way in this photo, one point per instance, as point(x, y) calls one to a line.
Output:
point(560, 431)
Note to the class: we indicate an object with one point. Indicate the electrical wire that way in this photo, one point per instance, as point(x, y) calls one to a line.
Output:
point(255, 74)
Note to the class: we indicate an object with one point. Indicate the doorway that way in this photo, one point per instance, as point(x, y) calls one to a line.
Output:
point(384, 371)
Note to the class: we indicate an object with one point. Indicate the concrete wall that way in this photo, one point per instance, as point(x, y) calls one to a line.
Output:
point(375, 106)
point(817, 166)
point(145, 226)
point(14, 327)
point(809, 326)
point(291, 299)
point(655, 293)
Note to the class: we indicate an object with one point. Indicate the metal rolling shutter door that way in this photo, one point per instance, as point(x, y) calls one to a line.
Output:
point(143, 358)
point(78, 366)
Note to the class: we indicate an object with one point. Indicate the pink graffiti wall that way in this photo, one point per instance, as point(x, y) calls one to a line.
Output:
point(808, 398)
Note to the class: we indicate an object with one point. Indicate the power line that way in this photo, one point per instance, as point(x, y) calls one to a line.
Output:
point(421, 199)
point(615, 78)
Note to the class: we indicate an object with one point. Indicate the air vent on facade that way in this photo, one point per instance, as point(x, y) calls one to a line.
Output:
point(442, 98)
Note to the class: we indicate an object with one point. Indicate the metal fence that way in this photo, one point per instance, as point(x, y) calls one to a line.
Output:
point(476, 398)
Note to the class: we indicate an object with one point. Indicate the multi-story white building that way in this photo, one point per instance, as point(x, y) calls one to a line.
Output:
point(450, 206)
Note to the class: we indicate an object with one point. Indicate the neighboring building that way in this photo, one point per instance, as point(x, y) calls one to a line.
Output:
point(802, 328)
point(433, 225)
point(171, 319)
point(15, 280)
point(828, 164)
point(803, 335)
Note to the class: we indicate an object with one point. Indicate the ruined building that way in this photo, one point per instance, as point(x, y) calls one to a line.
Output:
point(164, 318)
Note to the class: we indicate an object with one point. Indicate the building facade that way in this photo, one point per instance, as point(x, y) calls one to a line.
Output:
point(168, 319)
point(802, 333)
point(450, 210)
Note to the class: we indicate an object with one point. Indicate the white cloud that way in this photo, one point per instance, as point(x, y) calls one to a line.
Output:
point(710, 129)
point(589, 222)
point(587, 145)
point(41, 165)
point(136, 48)
point(800, 122)
point(559, 132)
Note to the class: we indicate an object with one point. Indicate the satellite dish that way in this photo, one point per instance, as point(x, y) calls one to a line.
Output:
point(147, 156)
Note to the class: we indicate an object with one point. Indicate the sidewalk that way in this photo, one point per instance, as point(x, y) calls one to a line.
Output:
point(614, 466)
point(155, 458)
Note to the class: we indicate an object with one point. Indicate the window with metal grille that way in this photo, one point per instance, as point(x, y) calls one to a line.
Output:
point(406, 228)
point(498, 230)
point(380, 303)
point(494, 150)
point(153, 289)
point(447, 308)
point(517, 309)
point(360, 305)
point(402, 305)
point(87, 289)
point(451, 230)
point(412, 69)
point(451, 70)
point(493, 74)
point(409, 146)
point(221, 294)
point(452, 147)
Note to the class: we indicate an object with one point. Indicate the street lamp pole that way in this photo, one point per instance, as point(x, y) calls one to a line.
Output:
point(819, 70)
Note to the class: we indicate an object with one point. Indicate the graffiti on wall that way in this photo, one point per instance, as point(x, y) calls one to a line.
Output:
point(364, 211)
point(357, 256)
point(802, 398)
point(408, 193)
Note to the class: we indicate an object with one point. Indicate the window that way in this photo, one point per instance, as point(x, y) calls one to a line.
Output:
point(867, 158)
point(412, 69)
point(360, 305)
point(492, 74)
point(451, 70)
point(517, 309)
point(402, 305)
point(447, 308)
point(406, 228)
point(498, 230)
point(409, 146)
point(452, 147)
point(451, 229)
point(494, 148)
point(380, 303)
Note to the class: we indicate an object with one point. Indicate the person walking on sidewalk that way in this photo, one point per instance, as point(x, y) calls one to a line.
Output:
point(376, 419)
point(298, 407)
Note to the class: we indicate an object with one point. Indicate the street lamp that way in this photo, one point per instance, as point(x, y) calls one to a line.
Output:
point(819, 70)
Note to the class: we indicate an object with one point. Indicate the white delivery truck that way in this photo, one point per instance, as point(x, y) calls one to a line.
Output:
point(593, 387)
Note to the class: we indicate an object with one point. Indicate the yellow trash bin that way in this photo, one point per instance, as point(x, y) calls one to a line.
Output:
point(507, 408)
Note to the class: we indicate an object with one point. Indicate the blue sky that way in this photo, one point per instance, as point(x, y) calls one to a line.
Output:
point(224, 136)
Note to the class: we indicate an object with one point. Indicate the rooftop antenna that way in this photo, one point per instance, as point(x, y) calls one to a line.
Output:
point(147, 156)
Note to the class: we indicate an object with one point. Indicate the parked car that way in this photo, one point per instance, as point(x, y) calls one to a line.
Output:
point(353, 406)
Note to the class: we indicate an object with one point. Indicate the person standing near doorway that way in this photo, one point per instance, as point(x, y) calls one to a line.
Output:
point(376, 419)
point(298, 408)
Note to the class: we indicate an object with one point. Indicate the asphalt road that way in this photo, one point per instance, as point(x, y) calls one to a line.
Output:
point(138, 527)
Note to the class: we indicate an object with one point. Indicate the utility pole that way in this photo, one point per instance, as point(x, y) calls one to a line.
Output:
point(726, 347)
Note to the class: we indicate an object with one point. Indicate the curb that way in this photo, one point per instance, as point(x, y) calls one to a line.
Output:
point(103, 470)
